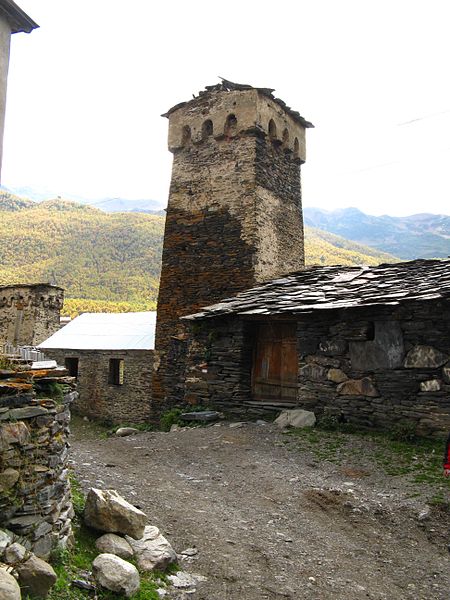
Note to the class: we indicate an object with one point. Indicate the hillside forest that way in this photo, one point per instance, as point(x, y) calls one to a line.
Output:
point(110, 262)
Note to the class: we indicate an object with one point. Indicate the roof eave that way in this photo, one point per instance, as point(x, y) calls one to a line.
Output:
point(18, 19)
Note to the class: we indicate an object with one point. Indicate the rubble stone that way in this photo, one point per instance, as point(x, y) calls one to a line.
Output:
point(116, 574)
point(36, 577)
point(295, 418)
point(9, 588)
point(110, 543)
point(152, 551)
point(106, 510)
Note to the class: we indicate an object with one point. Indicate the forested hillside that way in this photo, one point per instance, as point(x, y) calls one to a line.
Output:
point(111, 261)
point(92, 254)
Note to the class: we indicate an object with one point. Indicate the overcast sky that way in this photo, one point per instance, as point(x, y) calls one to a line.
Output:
point(87, 89)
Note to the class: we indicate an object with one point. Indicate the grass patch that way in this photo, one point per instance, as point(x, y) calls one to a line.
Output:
point(398, 453)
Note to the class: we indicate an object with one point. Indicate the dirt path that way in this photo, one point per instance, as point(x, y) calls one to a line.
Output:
point(271, 522)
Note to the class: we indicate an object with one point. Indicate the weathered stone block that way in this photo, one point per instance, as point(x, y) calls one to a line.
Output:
point(336, 375)
point(432, 385)
point(107, 511)
point(116, 574)
point(296, 417)
point(313, 372)
point(358, 387)
point(425, 357)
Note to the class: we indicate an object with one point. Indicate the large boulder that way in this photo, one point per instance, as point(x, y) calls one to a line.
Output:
point(116, 574)
point(152, 551)
point(295, 417)
point(110, 543)
point(107, 511)
point(36, 577)
point(9, 588)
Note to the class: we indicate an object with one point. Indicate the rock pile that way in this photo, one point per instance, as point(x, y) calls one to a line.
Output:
point(35, 500)
point(127, 536)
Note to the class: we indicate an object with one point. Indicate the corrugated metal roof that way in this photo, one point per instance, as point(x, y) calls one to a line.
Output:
point(106, 331)
point(329, 288)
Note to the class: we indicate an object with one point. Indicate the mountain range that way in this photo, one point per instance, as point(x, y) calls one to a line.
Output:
point(417, 236)
point(111, 261)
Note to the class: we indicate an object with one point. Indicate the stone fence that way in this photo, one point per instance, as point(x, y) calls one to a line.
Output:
point(35, 500)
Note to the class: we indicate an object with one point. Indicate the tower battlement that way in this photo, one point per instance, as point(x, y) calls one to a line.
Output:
point(228, 110)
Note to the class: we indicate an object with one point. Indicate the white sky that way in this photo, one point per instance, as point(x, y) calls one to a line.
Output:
point(87, 89)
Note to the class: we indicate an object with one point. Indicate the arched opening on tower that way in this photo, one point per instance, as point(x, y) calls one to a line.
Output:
point(207, 129)
point(230, 125)
point(286, 139)
point(296, 148)
point(186, 135)
point(272, 130)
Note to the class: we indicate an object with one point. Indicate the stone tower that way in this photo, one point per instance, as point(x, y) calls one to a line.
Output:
point(234, 216)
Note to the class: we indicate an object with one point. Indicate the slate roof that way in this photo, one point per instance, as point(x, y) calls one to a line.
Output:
point(106, 331)
point(227, 86)
point(20, 22)
point(329, 288)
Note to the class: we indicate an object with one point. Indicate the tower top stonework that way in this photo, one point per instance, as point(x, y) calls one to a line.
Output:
point(257, 108)
point(234, 215)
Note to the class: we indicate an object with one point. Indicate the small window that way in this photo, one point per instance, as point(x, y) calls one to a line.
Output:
point(207, 129)
point(186, 135)
point(285, 138)
point(272, 130)
point(71, 364)
point(296, 148)
point(230, 125)
point(116, 370)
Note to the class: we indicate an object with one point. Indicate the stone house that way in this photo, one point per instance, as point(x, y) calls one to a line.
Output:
point(367, 345)
point(29, 314)
point(111, 355)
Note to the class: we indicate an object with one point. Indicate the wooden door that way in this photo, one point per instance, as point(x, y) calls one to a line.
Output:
point(275, 363)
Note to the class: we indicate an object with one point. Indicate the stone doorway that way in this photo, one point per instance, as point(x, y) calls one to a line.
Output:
point(275, 363)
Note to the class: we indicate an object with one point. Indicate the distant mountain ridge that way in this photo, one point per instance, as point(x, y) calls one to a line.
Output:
point(416, 236)
point(106, 204)
point(111, 261)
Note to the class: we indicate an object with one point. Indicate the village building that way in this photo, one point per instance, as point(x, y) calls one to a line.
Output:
point(29, 314)
point(12, 20)
point(111, 356)
point(367, 345)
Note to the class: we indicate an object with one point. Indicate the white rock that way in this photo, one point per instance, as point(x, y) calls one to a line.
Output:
point(110, 543)
point(296, 417)
point(432, 385)
point(107, 511)
point(152, 551)
point(124, 431)
point(6, 538)
point(116, 574)
point(15, 553)
point(9, 588)
point(181, 579)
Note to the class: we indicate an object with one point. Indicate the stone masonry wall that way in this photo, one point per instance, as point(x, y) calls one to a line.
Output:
point(372, 367)
point(99, 399)
point(29, 314)
point(35, 500)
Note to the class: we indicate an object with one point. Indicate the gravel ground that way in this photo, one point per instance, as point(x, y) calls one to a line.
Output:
point(270, 521)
